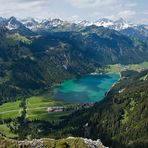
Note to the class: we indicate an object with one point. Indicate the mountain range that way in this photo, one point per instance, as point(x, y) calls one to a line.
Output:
point(13, 23)
point(139, 31)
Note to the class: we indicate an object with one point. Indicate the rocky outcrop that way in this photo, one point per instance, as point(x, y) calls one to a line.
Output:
point(94, 144)
point(70, 142)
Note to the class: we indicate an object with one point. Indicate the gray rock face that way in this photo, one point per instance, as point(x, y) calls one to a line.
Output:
point(91, 143)
point(94, 144)
point(36, 143)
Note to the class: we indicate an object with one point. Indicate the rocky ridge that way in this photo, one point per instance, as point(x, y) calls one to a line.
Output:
point(69, 142)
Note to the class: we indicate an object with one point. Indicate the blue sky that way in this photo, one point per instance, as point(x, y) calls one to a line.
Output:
point(131, 10)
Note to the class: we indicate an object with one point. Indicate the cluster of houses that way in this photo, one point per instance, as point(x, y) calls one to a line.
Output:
point(126, 67)
point(55, 109)
point(70, 108)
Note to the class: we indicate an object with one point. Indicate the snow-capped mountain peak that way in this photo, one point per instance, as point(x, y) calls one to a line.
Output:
point(51, 23)
point(104, 22)
point(121, 24)
point(13, 23)
point(33, 24)
point(29, 22)
point(84, 23)
point(117, 24)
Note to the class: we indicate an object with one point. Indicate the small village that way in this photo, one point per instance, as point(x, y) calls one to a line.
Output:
point(69, 108)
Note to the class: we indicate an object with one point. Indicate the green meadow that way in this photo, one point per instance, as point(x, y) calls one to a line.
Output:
point(138, 67)
point(10, 110)
point(5, 130)
point(36, 109)
point(117, 68)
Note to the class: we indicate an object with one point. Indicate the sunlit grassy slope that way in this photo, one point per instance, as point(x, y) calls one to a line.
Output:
point(118, 68)
point(5, 130)
point(36, 108)
point(10, 110)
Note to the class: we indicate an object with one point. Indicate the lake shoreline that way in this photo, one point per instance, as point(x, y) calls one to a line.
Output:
point(89, 88)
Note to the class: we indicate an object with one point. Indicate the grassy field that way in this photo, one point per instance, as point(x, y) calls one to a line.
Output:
point(138, 67)
point(4, 129)
point(111, 68)
point(36, 108)
point(10, 110)
point(10, 106)
point(42, 101)
point(42, 114)
point(116, 68)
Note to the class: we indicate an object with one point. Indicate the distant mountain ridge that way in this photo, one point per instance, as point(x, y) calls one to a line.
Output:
point(31, 25)
point(116, 25)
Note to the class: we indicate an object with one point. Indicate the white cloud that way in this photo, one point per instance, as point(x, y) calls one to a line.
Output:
point(23, 8)
point(131, 4)
point(73, 18)
point(91, 3)
point(112, 17)
point(133, 10)
point(144, 12)
point(102, 15)
point(143, 21)
point(126, 14)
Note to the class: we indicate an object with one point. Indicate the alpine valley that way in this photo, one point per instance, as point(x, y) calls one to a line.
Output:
point(62, 80)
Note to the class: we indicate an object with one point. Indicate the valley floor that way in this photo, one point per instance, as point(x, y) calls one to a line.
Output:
point(37, 105)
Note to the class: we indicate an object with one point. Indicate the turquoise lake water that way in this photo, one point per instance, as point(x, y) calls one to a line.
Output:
point(85, 89)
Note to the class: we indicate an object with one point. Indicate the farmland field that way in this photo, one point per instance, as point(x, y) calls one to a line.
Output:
point(10, 110)
point(117, 68)
point(36, 109)
point(5, 130)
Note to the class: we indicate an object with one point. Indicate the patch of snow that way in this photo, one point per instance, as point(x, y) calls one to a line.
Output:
point(11, 26)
